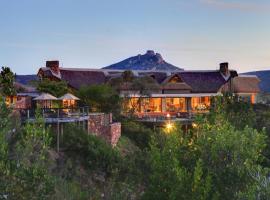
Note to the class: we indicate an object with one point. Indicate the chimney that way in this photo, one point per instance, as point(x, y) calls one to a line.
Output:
point(53, 65)
point(224, 69)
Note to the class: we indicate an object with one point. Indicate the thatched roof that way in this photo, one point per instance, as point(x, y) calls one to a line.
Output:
point(79, 78)
point(195, 81)
point(246, 84)
point(204, 81)
point(176, 86)
point(68, 96)
point(45, 97)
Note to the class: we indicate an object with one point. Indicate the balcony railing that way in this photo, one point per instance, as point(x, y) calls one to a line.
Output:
point(52, 115)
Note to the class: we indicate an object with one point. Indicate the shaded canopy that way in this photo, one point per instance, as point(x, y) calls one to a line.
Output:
point(68, 96)
point(45, 96)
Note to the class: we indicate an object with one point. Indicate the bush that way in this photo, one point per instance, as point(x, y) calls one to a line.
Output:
point(100, 98)
point(138, 133)
point(214, 161)
point(93, 151)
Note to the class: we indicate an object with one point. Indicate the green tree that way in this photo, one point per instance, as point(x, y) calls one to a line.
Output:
point(5, 129)
point(171, 177)
point(100, 98)
point(212, 161)
point(238, 112)
point(7, 79)
point(137, 132)
point(142, 86)
point(56, 88)
point(31, 178)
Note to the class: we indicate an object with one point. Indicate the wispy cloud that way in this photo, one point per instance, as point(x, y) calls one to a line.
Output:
point(242, 6)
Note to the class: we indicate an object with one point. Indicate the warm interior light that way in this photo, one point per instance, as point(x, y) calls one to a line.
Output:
point(168, 115)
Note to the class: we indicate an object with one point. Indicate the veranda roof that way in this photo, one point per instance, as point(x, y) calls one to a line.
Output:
point(44, 97)
point(68, 96)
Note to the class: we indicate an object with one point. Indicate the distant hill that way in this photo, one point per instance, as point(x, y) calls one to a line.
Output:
point(25, 79)
point(264, 76)
point(148, 61)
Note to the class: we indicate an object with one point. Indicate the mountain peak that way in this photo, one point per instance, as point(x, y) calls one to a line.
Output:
point(148, 61)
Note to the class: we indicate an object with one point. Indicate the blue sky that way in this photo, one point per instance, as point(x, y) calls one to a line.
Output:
point(194, 34)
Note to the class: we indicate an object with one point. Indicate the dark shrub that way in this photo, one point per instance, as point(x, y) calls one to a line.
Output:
point(93, 151)
point(137, 132)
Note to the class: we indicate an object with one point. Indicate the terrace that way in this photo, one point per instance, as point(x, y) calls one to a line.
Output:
point(157, 108)
point(57, 115)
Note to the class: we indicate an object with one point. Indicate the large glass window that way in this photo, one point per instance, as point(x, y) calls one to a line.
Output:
point(200, 103)
point(175, 104)
point(132, 105)
point(151, 105)
point(246, 98)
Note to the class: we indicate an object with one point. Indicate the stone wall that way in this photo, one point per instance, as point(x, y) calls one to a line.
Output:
point(101, 125)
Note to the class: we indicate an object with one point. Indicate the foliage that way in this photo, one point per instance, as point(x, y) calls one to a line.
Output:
point(263, 98)
point(100, 98)
point(142, 86)
point(262, 122)
point(128, 76)
point(55, 88)
point(213, 161)
point(238, 112)
point(69, 190)
point(5, 128)
point(7, 79)
point(31, 178)
point(145, 85)
point(137, 132)
point(260, 189)
point(169, 177)
point(95, 153)
point(23, 160)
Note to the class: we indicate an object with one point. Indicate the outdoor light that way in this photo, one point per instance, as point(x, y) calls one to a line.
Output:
point(168, 115)
point(169, 126)
point(194, 125)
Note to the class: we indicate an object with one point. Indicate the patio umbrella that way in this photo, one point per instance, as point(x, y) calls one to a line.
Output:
point(68, 100)
point(46, 99)
point(68, 96)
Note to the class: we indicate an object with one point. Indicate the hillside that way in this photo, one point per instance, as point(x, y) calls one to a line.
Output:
point(25, 79)
point(148, 61)
point(264, 76)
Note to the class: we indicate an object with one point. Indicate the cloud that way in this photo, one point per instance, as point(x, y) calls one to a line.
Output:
point(242, 6)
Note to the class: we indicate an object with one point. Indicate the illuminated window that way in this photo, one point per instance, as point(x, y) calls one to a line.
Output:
point(175, 104)
point(175, 79)
point(200, 103)
point(151, 105)
point(69, 103)
point(132, 104)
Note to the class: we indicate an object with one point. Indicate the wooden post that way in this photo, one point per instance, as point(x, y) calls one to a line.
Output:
point(62, 132)
point(58, 132)
point(84, 114)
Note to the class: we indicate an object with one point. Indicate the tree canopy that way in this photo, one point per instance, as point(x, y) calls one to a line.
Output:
point(7, 80)
point(100, 98)
point(56, 88)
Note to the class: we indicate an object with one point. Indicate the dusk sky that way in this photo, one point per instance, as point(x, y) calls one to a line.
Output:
point(192, 34)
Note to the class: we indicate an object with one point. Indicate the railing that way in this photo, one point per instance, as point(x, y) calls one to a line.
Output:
point(55, 113)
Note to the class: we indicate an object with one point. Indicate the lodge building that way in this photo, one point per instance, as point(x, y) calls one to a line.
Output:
point(176, 93)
